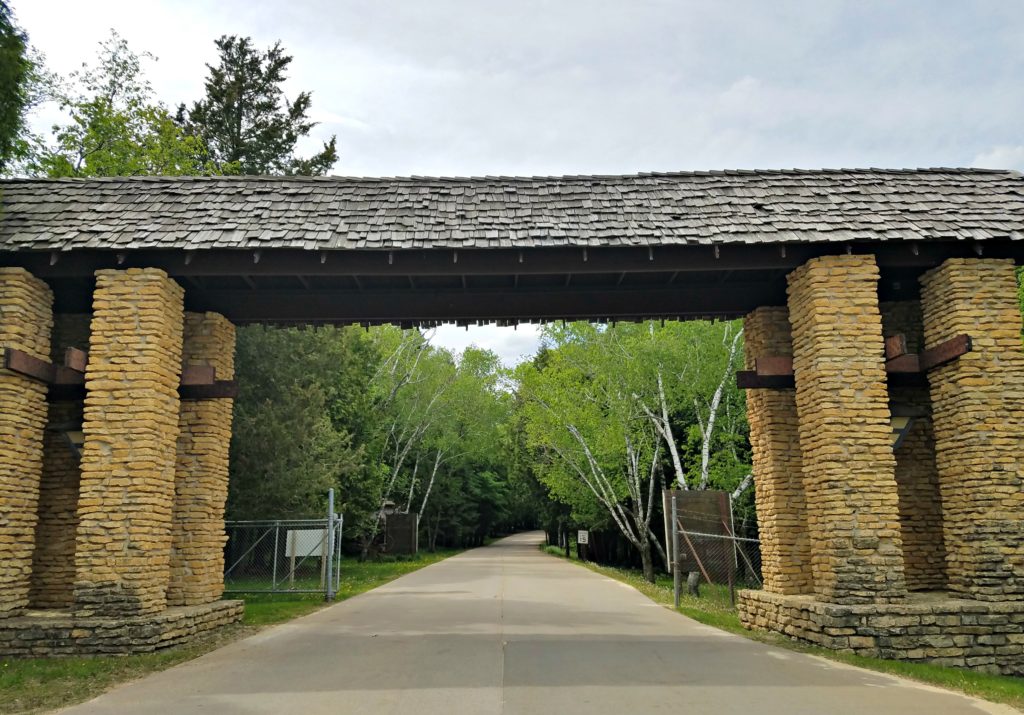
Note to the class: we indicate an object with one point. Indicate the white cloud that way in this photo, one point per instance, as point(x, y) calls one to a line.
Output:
point(1001, 157)
point(512, 345)
point(595, 86)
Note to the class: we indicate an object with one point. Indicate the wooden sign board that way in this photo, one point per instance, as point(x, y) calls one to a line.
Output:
point(704, 516)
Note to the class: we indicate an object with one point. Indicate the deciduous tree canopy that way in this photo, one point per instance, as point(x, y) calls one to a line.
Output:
point(115, 126)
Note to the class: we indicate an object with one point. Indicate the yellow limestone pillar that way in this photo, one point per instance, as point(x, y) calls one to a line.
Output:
point(845, 431)
point(126, 498)
point(201, 476)
point(978, 412)
point(26, 316)
point(775, 442)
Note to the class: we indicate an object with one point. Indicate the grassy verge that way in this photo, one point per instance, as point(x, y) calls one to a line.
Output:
point(712, 611)
point(40, 684)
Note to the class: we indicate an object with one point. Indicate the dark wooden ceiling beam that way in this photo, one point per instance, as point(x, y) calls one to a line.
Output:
point(490, 261)
point(689, 301)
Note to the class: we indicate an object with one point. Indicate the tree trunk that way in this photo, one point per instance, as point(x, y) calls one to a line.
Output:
point(693, 583)
point(646, 560)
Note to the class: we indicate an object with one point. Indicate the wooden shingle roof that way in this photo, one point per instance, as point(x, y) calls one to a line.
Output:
point(665, 209)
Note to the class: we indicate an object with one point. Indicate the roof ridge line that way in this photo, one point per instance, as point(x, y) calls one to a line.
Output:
point(418, 179)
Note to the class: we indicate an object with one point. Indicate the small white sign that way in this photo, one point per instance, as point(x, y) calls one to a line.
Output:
point(306, 542)
point(582, 537)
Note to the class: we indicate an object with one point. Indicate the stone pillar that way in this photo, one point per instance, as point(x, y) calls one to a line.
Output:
point(978, 408)
point(26, 316)
point(53, 564)
point(131, 430)
point(201, 478)
point(917, 478)
point(845, 431)
point(775, 442)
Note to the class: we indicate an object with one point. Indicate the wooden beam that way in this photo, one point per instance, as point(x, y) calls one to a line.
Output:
point(72, 372)
point(750, 380)
point(22, 363)
point(945, 352)
point(903, 364)
point(75, 359)
point(895, 346)
point(483, 261)
point(542, 304)
point(773, 366)
point(219, 389)
point(64, 375)
point(198, 375)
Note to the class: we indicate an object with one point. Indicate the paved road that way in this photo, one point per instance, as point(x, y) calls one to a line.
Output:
point(507, 629)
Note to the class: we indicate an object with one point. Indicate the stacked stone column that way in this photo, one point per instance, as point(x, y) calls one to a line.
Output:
point(53, 565)
point(917, 479)
point(845, 432)
point(775, 442)
point(126, 496)
point(978, 408)
point(26, 316)
point(201, 480)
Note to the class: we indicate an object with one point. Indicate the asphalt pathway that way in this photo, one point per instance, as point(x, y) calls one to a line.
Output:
point(508, 629)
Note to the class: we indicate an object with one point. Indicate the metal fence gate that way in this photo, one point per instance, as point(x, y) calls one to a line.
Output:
point(284, 555)
point(703, 543)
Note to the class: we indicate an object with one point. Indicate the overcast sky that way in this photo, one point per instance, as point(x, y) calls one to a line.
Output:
point(475, 87)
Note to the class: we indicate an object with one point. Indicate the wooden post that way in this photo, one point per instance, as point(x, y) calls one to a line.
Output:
point(677, 576)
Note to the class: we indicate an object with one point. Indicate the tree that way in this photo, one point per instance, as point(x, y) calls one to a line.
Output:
point(245, 118)
point(683, 372)
point(302, 418)
point(115, 127)
point(603, 403)
point(583, 414)
point(22, 86)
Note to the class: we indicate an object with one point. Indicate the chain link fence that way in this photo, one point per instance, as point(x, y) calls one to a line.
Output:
point(709, 561)
point(283, 556)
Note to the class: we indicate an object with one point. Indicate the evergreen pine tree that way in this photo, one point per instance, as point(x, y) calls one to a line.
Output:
point(15, 76)
point(245, 118)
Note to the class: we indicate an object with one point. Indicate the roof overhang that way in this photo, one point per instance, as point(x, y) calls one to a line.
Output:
point(428, 286)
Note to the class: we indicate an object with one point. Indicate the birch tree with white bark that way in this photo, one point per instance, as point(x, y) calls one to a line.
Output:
point(600, 448)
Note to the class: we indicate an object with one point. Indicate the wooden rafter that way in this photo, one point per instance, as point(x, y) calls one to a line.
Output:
point(777, 372)
point(67, 381)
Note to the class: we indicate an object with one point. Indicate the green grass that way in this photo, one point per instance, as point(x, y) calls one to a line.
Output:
point(712, 610)
point(34, 685)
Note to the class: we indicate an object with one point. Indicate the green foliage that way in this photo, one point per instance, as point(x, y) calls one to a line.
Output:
point(381, 416)
point(301, 421)
point(601, 402)
point(245, 119)
point(16, 69)
point(442, 437)
point(115, 127)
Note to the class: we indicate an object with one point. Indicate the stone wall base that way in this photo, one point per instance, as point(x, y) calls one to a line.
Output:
point(58, 633)
point(927, 627)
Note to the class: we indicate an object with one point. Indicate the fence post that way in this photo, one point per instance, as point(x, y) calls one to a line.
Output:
point(677, 580)
point(328, 556)
point(277, 531)
point(340, 525)
point(291, 539)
